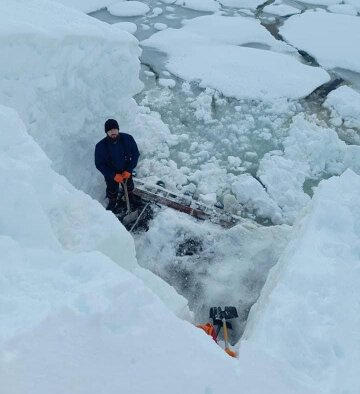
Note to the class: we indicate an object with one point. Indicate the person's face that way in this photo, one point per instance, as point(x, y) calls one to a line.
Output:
point(113, 133)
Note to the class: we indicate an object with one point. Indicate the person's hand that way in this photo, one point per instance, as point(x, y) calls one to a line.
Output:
point(126, 174)
point(118, 178)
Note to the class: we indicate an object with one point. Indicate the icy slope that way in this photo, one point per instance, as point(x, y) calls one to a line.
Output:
point(65, 73)
point(309, 312)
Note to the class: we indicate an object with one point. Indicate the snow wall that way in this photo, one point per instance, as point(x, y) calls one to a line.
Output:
point(308, 314)
point(65, 73)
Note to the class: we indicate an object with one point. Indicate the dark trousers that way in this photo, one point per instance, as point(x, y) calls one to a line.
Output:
point(112, 188)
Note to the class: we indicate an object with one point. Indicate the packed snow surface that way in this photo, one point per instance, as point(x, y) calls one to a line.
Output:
point(209, 49)
point(332, 39)
point(309, 311)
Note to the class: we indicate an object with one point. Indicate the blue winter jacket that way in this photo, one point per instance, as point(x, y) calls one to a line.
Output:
point(113, 157)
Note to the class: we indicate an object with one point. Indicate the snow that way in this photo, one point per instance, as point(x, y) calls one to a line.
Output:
point(330, 38)
point(314, 289)
point(71, 305)
point(128, 8)
point(344, 102)
point(208, 49)
point(78, 313)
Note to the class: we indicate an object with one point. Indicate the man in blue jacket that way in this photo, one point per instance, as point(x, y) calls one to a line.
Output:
point(116, 156)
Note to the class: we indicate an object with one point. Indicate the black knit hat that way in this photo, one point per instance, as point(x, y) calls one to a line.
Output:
point(111, 124)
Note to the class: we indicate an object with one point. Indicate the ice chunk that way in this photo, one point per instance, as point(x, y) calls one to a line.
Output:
point(345, 102)
point(252, 196)
point(128, 8)
point(160, 26)
point(168, 83)
point(127, 26)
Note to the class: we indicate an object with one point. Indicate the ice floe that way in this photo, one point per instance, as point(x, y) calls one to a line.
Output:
point(333, 39)
point(208, 49)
